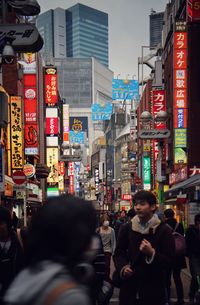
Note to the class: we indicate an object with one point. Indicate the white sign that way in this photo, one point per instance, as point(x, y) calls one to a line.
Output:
point(154, 134)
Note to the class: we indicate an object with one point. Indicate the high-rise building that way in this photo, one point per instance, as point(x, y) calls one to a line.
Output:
point(78, 32)
point(156, 27)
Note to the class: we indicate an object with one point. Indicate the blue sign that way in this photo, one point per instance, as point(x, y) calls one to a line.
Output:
point(101, 112)
point(180, 118)
point(76, 137)
point(125, 89)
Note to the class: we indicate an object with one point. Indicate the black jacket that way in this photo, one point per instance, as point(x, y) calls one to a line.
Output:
point(11, 262)
point(193, 241)
point(148, 278)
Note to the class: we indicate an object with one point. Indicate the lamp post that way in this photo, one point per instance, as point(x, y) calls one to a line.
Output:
point(150, 132)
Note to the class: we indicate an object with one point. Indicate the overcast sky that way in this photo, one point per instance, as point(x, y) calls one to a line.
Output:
point(128, 28)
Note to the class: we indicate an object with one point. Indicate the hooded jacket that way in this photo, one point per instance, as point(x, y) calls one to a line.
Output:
point(149, 278)
point(33, 286)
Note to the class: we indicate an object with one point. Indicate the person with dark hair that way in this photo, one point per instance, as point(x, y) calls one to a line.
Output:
point(11, 253)
point(180, 262)
point(143, 253)
point(121, 220)
point(193, 252)
point(60, 237)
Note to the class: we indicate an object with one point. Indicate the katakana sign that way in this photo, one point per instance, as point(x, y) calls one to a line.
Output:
point(51, 86)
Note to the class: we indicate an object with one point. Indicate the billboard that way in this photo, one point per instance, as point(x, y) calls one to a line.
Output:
point(180, 91)
point(180, 156)
point(65, 123)
point(51, 86)
point(159, 104)
point(30, 111)
point(78, 124)
point(16, 133)
point(52, 163)
point(76, 137)
point(146, 173)
point(125, 89)
point(28, 62)
point(101, 112)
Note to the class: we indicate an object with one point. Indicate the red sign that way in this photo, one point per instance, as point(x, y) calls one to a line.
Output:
point(51, 126)
point(159, 104)
point(30, 80)
point(31, 136)
point(51, 86)
point(71, 184)
point(19, 177)
point(61, 168)
point(30, 111)
point(193, 10)
point(126, 197)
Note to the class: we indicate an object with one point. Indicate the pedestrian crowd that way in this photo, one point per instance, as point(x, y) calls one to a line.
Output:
point(64, 256)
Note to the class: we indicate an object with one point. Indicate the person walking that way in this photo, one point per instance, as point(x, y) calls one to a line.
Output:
point(121, 220)
point(193, 252)
point(11, 252)
point(60, 236)
point(109, 243)
point(143, 253)
point(179, 262)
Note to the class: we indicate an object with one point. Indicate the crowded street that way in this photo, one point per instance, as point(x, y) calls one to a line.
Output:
point(99, 152)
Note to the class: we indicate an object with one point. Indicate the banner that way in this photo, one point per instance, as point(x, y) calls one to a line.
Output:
point(125, 89)
point(76, 137)
point(193, 10)
point(101, 112)
point(52, 163)
point(146, 173)
point(16, 133)
point(31, 139)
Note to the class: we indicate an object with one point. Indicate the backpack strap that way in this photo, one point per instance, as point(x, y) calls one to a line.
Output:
point(57, 292)
point(176, 227)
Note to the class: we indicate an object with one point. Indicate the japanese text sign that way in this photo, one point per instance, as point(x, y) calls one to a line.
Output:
point(101, 112)
point(51, 86)
point(16, 133)
point(159, 104)
point(31, 139)
point(52, 163)
point(193, 10)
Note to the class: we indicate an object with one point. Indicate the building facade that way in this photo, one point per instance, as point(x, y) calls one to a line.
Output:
point(156, 27)
point(78, 32)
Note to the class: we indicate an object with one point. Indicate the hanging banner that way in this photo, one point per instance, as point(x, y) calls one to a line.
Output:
point(52, 163)
point(51, 86)
point(65, 123)
point(77, 137)
point(146, 173)
point(125, 89)
point(16, 133)
point(31, 139)
point(51, 126)
point(159, 104)
point(101, 112)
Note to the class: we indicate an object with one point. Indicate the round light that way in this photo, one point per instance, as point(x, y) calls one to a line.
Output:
point(65, 145)
point(161, 116)
point(146, 116)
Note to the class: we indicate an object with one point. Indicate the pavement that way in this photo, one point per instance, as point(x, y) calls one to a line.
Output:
point(185, 275)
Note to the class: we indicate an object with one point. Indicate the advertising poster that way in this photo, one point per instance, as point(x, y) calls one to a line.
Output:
point(147, 173)
point(51, 86)
point(125, 89)
point(31, 139)
point(79, 124)
point(180, 136)
point(76, 137)
point(180, 156)
point(52, 163)
point(101, 112)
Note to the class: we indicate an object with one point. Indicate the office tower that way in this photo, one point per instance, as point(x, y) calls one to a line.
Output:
point(156, 27)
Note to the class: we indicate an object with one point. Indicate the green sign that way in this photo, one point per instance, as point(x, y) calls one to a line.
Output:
point(180, 137)
point(180, 156)
point(147, 173)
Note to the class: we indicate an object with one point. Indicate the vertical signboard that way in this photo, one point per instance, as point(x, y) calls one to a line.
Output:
point(65, 123)
point(71, 177)
point(1, 169)
point(180, 91)
point(16, 133)
point(51, 86)
point(52, 163)
point(193, 10)
point(146, 173)
point(31, 139)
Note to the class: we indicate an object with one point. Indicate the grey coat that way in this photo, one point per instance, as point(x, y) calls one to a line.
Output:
point(33, 286)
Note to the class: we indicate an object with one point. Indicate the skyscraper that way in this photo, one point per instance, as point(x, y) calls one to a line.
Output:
point(79, 32)
point(156, 27)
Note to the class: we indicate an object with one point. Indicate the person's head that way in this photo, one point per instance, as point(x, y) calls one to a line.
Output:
point(62, 230)
point(123, 214)
point(105, 221)
point(131, 213)
point(145, 204)
point(197, 220)
point(169, 213)
point(5, 223)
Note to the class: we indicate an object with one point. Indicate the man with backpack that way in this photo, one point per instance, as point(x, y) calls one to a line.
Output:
point(144, 253)
point(179, 262)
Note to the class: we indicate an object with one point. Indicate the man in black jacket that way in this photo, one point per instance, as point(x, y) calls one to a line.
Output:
point(193, 251)
point(143, 254)
point(11, 253)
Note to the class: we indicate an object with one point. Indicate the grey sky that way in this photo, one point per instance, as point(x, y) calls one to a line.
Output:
point(128, 28)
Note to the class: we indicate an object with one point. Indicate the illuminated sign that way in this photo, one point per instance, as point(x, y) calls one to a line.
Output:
point(66, 123)
point(180, 156)
point(51, 126)
point(52, 192)
point(16, 133)
point(180, 137)
point(51, 86)
point(180, 118)
point(52, 163)
point(193, 10)
point(30, 111)
point(31, 139)
point(146, 173)
point(159, 104)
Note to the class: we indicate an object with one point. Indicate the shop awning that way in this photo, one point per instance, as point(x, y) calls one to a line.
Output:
point(182, 186)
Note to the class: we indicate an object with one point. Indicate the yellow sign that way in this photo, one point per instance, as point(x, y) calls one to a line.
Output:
point(147, 145)
point(52, 163)
point(16, 133)
point(61, 185)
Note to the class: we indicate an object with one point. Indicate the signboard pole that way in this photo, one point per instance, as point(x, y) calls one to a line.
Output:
point(25, 201)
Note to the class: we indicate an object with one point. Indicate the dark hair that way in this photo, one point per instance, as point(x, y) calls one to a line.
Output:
point(147, 196)
point(197, 218)
point(169, 213)
point(5, 216)
point(131, 213)
point(61, 230)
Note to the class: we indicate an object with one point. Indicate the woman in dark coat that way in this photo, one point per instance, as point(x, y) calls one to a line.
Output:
point(180, 262)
